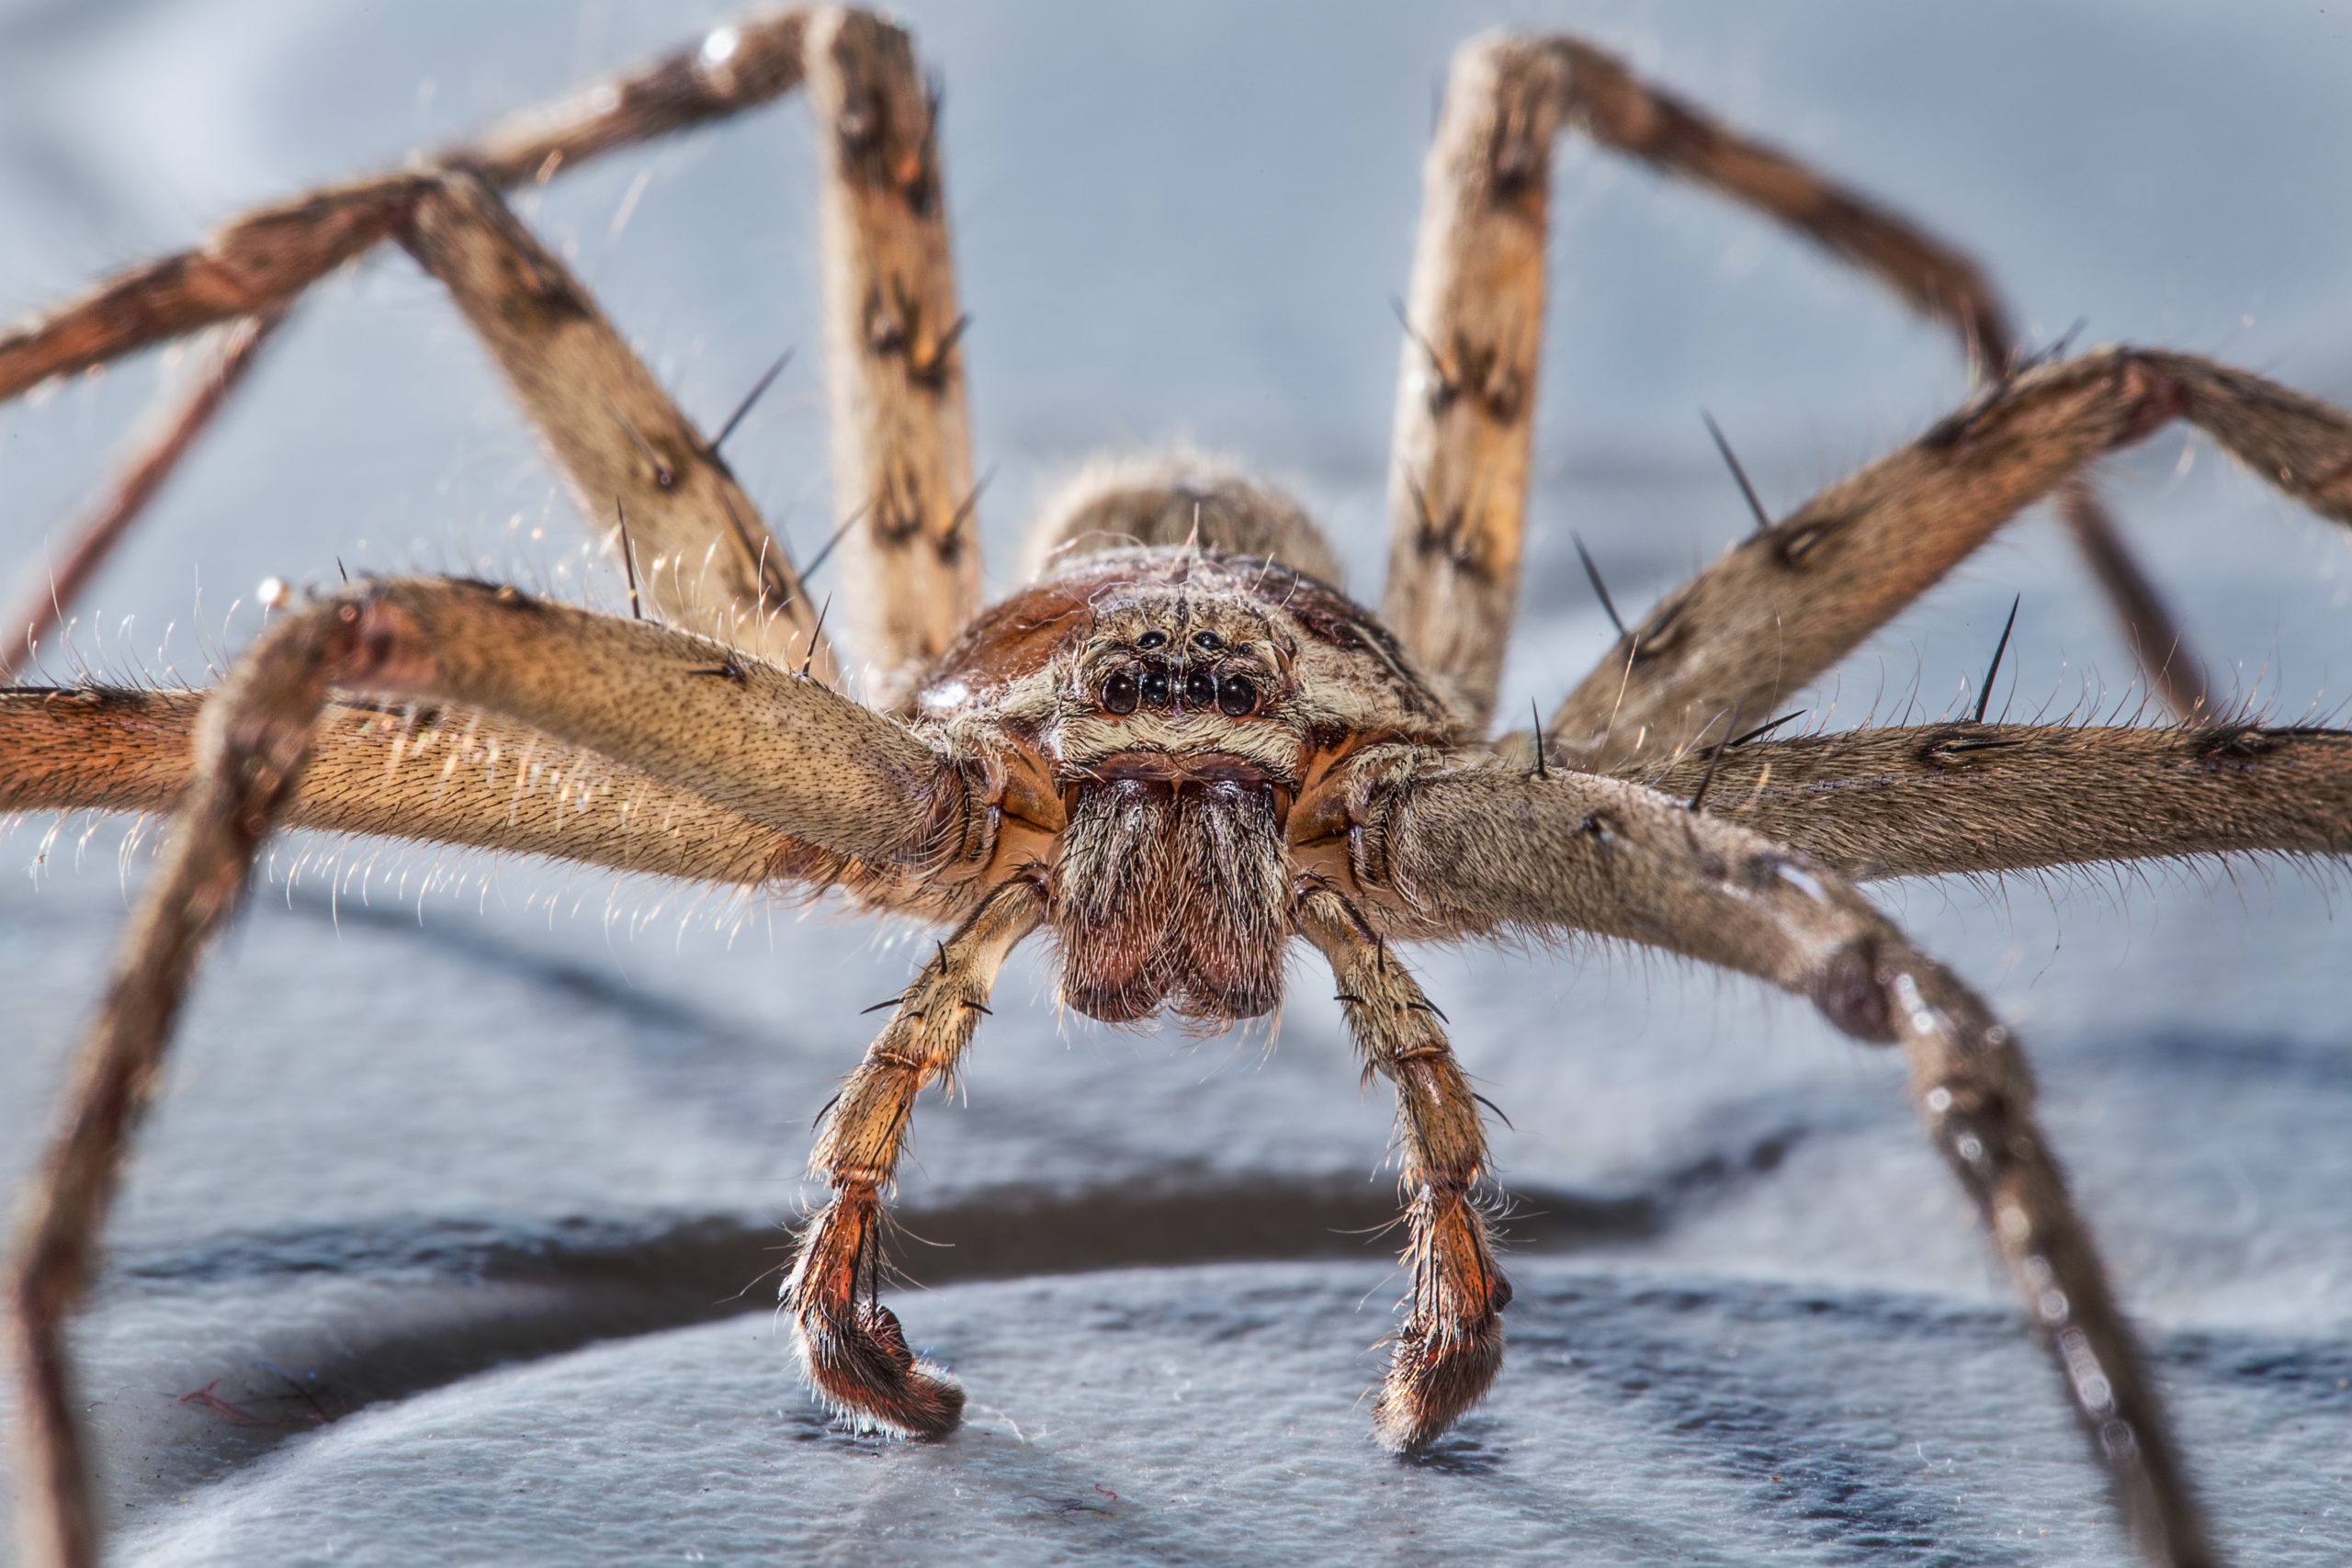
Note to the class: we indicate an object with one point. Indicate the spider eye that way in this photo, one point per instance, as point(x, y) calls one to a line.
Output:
point(1152, 639)
point(1207, 642)
point(1119, 693)
point(1155, 686)
point(1200, 688)
point(1235, 697)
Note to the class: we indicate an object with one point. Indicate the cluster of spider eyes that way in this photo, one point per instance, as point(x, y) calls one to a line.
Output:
point(1156, 684)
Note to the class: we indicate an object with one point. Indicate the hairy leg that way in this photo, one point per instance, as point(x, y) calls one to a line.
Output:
point(903, 446)
point(1930, 799)
point(640, 472)
point(1491, 849)
point(1787, 602)
point(1473, 330)
point(427, 775)
point(850, 1346)
point(267, 256)
point(1451, 1344)
point(781, 750)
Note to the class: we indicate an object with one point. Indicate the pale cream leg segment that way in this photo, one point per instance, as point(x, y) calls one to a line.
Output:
point(902, 446)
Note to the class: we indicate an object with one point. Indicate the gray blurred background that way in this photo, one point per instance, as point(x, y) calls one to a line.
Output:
point(435, 1117)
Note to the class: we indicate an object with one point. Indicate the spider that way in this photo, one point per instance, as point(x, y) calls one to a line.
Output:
point(1179, 751)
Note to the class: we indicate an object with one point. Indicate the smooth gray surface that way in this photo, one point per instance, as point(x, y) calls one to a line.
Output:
point(495, 1112)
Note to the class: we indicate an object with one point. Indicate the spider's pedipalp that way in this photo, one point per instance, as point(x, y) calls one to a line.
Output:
point(1784, 603)
point(851, 1347)
point(1492, 849)
point(1449, 1348)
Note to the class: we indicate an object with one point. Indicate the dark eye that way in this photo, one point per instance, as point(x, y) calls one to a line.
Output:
point(1200, 688)
point(1119, 693)
point(1152, 639)
point(1236, 695)
point(1155, 687)
point(1207, 642)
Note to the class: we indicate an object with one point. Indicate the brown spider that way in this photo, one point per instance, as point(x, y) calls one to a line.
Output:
point(1178, 748)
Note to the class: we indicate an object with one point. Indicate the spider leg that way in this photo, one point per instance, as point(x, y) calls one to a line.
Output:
point(267, 256)
point(1451, 1344)
point(1787, 602)
point(902, 448)
point(1964, 797)
point(427, 775)
point(255, 265)
point(684, 709)
point(639, 470)
point(1489, 850)
point(1473, 331)
point(851, 1347)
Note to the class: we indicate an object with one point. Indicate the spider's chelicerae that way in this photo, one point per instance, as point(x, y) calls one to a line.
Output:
point(1177, 751)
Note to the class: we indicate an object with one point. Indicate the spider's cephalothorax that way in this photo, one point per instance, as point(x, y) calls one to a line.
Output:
point(1193, 712)
point(1179, 749)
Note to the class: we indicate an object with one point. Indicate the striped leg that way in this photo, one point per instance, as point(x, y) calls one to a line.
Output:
point(1474, 327)
point(902, 450)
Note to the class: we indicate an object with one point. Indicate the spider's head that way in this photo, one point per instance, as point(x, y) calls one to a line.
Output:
point(1170, 654)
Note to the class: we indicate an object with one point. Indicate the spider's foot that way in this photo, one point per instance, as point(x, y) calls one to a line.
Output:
point(862, 1371)
point(1442, 1365)
point(852, 1349)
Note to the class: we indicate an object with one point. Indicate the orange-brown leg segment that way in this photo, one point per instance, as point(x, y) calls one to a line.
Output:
point(902, 447)
point(1451, 1344)
point(850, 1346)
point(1787, 602)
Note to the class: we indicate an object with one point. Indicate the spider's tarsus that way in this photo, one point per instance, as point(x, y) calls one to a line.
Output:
point(759, 390)
point(1738, 474)
point(1984, 693)
point(1599, 587)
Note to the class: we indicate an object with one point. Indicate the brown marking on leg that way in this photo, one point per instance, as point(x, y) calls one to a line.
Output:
point(1930, 800)
point(903, 462)
point(1465, 397)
